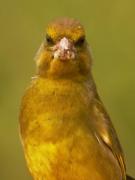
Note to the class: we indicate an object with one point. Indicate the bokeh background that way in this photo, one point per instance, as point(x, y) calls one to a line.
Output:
point(110, 27)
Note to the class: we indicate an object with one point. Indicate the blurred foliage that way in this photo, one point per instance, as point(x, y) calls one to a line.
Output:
point(110, 30)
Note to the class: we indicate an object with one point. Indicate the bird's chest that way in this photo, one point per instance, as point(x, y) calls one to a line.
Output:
point(55, 112)
point(57, 128)
point(59, 142)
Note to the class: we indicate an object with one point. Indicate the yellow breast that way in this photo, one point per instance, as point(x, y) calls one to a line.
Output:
point(57, 134)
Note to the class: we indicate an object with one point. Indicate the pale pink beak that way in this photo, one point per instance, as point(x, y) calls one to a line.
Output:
point(64, 50)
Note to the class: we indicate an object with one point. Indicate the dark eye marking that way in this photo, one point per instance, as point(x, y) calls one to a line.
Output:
point(80, 41)
point(49, 40)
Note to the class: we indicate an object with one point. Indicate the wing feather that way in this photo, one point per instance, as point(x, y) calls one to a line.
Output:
point(106, 132)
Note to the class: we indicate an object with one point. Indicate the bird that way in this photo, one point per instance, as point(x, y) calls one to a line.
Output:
point(65, 129)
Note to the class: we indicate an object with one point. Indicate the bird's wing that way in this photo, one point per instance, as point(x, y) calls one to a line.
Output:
point(106, 132)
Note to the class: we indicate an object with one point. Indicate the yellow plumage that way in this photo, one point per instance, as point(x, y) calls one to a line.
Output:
point(65, 130)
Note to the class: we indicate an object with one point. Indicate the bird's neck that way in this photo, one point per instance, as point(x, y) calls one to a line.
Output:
point(68, 77)
point(81, 80)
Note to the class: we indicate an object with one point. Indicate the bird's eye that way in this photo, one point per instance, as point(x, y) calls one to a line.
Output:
point(49, 40)
point(80, 41)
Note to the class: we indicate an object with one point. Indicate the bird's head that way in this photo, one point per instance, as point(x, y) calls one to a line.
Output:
point(64, 52)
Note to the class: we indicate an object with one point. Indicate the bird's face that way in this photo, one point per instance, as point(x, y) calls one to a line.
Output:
point(65, 52)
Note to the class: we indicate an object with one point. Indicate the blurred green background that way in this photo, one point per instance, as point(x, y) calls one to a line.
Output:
point(110, 27)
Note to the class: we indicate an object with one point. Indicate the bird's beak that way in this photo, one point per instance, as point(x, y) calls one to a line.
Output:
point(64, 50)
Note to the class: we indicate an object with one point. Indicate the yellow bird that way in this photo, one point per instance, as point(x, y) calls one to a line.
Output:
point(65, 129)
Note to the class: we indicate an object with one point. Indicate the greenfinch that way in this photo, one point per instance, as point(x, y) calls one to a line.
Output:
point(65, 130)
